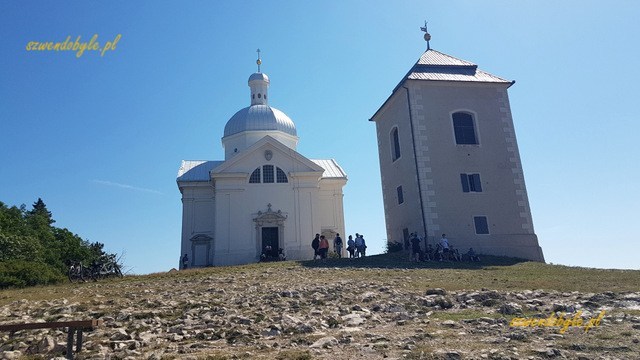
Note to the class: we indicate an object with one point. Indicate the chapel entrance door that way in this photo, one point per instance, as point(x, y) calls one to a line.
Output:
point(270, 238)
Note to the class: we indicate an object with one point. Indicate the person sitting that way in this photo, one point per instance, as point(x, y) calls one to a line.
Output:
point(281, 255)
point(428, 253)
point(454, 254)
point(472, 255)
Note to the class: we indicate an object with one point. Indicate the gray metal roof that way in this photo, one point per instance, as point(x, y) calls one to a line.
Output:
point(331, 168)
point(196, 170)
point(257, 118)
point(259, 77)
point(433, 57)
point(436, 66)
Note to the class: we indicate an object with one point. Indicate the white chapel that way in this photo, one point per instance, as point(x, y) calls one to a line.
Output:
point(264, 193)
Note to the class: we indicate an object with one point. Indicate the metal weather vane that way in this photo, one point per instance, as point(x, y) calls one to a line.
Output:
point(427, 36)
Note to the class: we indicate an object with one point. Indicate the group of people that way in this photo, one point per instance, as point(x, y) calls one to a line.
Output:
point(356, 248)
point(442, 252)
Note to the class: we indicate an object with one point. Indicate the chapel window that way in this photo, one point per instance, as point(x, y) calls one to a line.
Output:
point(267, 176)
point(255, 177)
point(464, 129)
point(281, 177)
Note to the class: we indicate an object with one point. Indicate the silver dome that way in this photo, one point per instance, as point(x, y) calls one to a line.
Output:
point(259, 118)
point(258, 76)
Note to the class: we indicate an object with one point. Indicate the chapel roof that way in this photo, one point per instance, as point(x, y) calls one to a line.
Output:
point(196, 170)
point(331, 169)
point(259, 118)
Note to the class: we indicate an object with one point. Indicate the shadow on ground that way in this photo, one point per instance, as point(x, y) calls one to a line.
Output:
point(400, 260)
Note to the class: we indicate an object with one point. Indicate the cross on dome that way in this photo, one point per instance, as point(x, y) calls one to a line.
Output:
point(259, 62)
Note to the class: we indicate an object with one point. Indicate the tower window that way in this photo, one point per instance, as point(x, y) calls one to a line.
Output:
point(400, 195)
point(259, 96)
point(255, 177)
point(267, 176)
point(464, 129)
point(395, 144)
point(471, 183)
point(481, 225)
point(281, 177)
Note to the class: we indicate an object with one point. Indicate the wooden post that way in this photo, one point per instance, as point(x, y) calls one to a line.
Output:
point(79, 340)
point(70, 343)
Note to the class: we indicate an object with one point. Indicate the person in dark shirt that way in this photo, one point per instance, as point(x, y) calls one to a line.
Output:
point(315, 244)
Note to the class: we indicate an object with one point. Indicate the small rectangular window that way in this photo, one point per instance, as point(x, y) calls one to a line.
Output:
point(400, 195)
point(471, 182)
point(481, 224)
point(267, 176)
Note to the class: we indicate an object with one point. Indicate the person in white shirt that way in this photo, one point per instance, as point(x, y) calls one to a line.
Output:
point(445, 246)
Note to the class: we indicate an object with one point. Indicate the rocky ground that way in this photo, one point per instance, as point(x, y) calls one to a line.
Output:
point(296, 312)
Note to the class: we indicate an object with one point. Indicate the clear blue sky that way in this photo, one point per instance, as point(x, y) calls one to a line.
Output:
point(100, 139)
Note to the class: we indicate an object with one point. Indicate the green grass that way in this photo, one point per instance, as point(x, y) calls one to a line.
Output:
point(499, 273)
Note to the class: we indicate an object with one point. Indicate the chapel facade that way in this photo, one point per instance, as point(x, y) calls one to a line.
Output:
point(263, 195)
point(449, 160)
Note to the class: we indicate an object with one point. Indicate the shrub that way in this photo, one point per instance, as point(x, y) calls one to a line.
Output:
point(20, 273)
point(393, 246)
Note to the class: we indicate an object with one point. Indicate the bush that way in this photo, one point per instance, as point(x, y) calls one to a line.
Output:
point(393, 246)
point(20, 273)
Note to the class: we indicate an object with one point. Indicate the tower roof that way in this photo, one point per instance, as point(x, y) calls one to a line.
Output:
point(434, 65)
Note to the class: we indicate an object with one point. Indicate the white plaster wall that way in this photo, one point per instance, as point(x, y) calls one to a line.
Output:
point(198, 213)
point(237, 143)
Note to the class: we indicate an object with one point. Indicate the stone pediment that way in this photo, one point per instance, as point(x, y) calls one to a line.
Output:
point(269, 217)
point(268, 151)
point(201, 238)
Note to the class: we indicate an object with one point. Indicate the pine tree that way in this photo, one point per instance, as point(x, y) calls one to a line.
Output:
point(40, 209)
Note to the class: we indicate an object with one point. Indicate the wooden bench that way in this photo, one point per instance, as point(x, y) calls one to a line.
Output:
point(73, 326)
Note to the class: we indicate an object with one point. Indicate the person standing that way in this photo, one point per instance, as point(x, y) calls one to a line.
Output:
point(351, 247)
point(359, 242)
point(315, 244)
point(337, 245)
point(324, 247)
point(445, 246)
point(185, 261)
point(415, 247)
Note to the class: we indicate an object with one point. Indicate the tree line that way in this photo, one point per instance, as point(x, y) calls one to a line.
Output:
point(35, 252)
